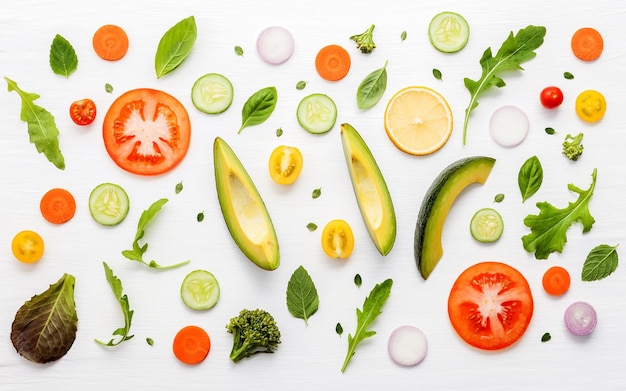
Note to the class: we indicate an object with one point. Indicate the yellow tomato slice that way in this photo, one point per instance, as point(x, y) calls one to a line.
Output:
point(27, 246)
point(337, 239)
point(590, 106)
point(285, 164)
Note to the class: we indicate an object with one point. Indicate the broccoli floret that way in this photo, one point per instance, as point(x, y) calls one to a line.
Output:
point(572, 147)
point(365, 41)
point(254, 331)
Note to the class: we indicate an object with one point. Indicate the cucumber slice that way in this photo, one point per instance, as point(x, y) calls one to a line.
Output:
point(486, 225)
point(200, 290)
point(212, 93)
point(108, 204)
point(317, 113)
point(448, 32)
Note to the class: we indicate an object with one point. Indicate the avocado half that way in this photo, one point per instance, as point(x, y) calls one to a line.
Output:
point(244, 211)
point(370, 189)
point(437, 203)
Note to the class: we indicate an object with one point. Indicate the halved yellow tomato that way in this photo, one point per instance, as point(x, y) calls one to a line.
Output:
point(285, 164)
point(338, 239)
point(27, 246)
point(590, 106)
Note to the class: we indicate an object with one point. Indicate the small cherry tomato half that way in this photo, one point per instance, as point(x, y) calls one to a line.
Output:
point(27, 246)
point(285, 164)
point(83, 111)
point(337, 239)
point(590, 106)
point(551, 97)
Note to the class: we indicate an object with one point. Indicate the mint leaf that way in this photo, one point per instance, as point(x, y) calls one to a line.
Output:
point(63, 59)
point(302, 298)
point(122, 299)
point(600, 263)
point(175, 46)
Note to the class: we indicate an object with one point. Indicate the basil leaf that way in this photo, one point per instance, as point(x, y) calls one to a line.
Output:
point(258, 107)
point(550, 131)
point(358, 280)
point(372, 88)
point(108, 88)
point(530, 177)
point(546, 337)
point(279, 132)
point(63, 59)
point(498, 198)
point(175, 46)
point(149, 341)
point(600, 263)
point(200, 217)
point(178, 188)
point(316, 193)
point(302, 298)
point(339, 329)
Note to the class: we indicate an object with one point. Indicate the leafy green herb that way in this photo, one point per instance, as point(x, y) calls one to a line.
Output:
point(311, 227)
point(339, 329)
point(301, 85)
point(136, 254)
point(44, 327)
point(116, 287)
point(150, 341)
point(372, 88)
point(437, 74)
point(372, 307)
point(302, 298)
point(175, 46)
point(550, 131)
point(403, 36)
point(42, 129)
point(358, 280)
point(200, 217)
point(600, 263)
point(549, 227)
point(316, 193)
point(279, 132)
point(515, 50)
point(530, 177)
point(498, 198)
point(108, 88)
point(546, 337)
point(239, 51)
point(258, 107)
point(178, 188)
point(63, 59)
point(568, 75)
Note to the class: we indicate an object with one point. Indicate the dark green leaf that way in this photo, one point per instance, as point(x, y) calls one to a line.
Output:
point(311, 227)
point(279, 132)
point(302, 298)
point(546, 337)
point(568, 75)
point(498, 198)
point(116, 287)
point(372, 88)
point(150, 341)
point(178, 188)
point(63, 59)
point(316, 193)
point(358, 280)
point(239, 51)
point(437, 74)
point(108, 88)
point(175, 46)
point(300, 85)
point(258, 107)
point(403, 36)
point(600, 263)
point(200, 217)
point(530, 177)
point(339, 329)
point(550, 131)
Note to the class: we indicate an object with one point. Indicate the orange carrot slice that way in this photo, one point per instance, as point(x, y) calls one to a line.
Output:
point(587, 44)
point(191, 345)
point(332, 62)
point(556, 281)
point(110, 42)
point(58, 206)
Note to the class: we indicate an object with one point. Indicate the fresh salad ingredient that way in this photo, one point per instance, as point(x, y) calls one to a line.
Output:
point(316, 193)
point(200, 290)
point(122, 299)
point(243, 209)
point(365, 41)
point(254, 331)
point(490, 305)
point(332, 62)
point(436, 204)
point(580, 318)
point(311, 227)
point(339, 329)
point(302, 298)
point(407, 345)
point(238, 50)
point(448, 32)
point(486, 225)
point(372, 88)
point(83, 111)
point(337, 239)
point(110, 42)
point(200, 217)
point(275, 45)
point(191, 345)
point(370, 190)
point(259, 107)
point(515, 50)
point(587, 44)
point(548, 229)
point(279, 132)
point(568, 75)
point(403, 36)
point(42, 130)
point(317, 113)
point(590, 106)
point(44, 328)
point(146, 131)
point(358, 280)
point(63, 59)
point(498, 198)
point(546, 337)
point(550, 131)
point(57, 206)
point(175, 46)
point(551, 97)
point(556, 281)
point(437, 74)
point(178, 188)
point(108, 204)
point(212, 93)
point(27, 246)
point(301, 85)
point(149, 341)
point(572, 147)
point(530, 177)
point(508, 126)
point(601, 262)
point(285, 164)
point(418, 120)
point(108, 88)
point(137, 251)
point(372, 307)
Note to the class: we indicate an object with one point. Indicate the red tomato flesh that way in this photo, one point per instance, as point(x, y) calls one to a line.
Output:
point(490, 305)
point(146, 131)
point(83, 111)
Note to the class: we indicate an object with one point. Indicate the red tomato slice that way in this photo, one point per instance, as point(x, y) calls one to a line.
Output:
point(146, 131)
point(490, 305)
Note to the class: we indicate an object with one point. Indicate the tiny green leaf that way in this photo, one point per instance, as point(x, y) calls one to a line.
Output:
point(200, 217)
point(175, 46)
point(150, 341)
point(179, 187)
point(403, 36)
point(568, 75)
point(358, 280)
point(239, 51)
point(498, 198)
point(600, 263)
point(108, 88)
point(63, 59)
point(301, 85)
point(372, 88)
point(550, 131)
point(437, 74)
point(546, 337)
point(259, 107)
point(311, 227)
point(339, 329)
point(279, 132)
point(302, 298)
point(317, 193)
point(530, 177)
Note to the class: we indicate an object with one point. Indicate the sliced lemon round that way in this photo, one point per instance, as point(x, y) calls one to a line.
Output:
point(418, 120)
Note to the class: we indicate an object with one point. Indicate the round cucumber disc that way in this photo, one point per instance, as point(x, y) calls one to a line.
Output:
point(448, 32)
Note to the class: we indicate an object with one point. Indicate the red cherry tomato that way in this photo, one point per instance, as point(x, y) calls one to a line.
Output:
point(551, 97)
point(83, 111)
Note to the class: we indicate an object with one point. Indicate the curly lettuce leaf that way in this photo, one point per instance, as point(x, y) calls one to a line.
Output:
point(548, 229)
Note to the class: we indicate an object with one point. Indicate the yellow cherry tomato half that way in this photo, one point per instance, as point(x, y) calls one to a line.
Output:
point(590, 106)
point(338, 239)
point(285, 164)
point(27, 246)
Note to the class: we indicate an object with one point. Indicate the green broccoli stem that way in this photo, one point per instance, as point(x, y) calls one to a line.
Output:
point(241, 352)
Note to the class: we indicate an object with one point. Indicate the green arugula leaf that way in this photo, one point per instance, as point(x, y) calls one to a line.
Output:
point(372, 88)
point(600, 263)
point(258, 107)
point(302, 298)
point(63, 59)
point(42, 129)
point(530, 177)
point(175, 46)
point(116, 287)
point(515, 50)
point(548, 229)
